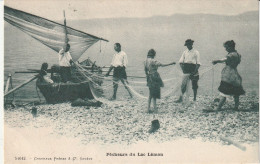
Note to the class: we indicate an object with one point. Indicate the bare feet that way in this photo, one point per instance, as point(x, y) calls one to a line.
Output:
point(149, 111)
point(236, 109)
point(112, 98)
point(179, 100)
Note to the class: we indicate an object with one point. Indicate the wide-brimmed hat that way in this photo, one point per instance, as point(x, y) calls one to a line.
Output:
point(188, 41)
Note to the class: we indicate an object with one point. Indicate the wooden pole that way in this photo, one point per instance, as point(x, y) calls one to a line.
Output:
point(132, 76)
point(237, 144)
point(25, 72)
point(23, 84)
point(7, 83)
point(65, 30)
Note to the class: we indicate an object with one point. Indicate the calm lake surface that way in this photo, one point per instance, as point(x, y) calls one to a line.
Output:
point(136, 36)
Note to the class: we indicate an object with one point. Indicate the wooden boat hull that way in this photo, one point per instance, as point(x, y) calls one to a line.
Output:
point(62, 92)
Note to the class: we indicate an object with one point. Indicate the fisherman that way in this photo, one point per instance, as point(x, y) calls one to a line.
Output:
point(119, 63)
point(65, 62)
point(189, 63)
point(154, 81)
point(43, 74)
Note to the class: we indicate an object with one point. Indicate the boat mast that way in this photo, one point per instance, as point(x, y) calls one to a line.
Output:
point(66, 41)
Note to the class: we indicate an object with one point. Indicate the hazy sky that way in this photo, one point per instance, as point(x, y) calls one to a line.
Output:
point(87, 9)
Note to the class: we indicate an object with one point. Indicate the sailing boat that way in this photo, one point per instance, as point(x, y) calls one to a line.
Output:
point(52, 35)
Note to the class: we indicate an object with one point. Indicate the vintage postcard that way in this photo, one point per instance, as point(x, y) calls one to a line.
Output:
point(131, 81)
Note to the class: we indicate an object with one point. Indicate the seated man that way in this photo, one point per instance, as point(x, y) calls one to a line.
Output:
point(43, 74)
point(55, 73)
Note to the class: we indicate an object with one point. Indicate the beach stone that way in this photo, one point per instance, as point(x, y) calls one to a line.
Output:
point(155, 126)
point(80, 102)
point(34, 111)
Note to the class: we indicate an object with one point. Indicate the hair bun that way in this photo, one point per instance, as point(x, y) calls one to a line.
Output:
point(151, 52)
point(230, 43)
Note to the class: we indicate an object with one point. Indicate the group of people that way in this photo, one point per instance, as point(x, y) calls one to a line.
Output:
point(230, 85)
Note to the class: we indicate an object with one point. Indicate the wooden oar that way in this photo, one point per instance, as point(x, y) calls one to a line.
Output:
point(25, 72)
point(8, 82)
point(23, 84)
point(38, 70)
point(133, 76)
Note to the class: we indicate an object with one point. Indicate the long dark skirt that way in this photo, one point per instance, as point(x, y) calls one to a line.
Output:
point(154, 82)
point(229, 89)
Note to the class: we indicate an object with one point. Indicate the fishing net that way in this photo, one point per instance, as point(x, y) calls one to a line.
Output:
point(50, 33)
point(134, 86)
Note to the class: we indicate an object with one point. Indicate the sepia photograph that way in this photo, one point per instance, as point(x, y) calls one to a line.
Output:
point(130, 81)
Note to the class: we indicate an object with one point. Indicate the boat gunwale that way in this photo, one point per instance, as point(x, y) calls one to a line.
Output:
point(61, 84)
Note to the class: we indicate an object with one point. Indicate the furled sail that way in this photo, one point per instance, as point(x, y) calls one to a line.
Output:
point(50, 33)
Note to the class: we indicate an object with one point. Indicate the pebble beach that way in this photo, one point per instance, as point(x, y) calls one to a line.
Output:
point(125, 123)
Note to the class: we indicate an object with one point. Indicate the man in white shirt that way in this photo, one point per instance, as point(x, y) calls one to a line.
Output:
point(190, 63)
point(119, 63)
point(65, 61)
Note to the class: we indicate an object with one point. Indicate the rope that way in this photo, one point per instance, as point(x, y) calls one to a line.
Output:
point(130, 87)
point(141, 82)
point(108, 78)
point(137, 82)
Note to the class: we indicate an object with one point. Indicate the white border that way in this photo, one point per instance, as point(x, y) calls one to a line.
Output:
point(1, 81)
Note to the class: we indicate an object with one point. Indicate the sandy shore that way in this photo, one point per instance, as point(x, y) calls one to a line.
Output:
point(124, 124)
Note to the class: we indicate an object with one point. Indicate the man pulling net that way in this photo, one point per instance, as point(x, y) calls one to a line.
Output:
point(119, 63)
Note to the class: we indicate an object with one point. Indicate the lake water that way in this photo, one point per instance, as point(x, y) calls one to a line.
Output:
point(23, 52)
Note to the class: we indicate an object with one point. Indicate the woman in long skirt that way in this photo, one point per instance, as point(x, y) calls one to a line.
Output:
point(154, 81)
point(231, 81)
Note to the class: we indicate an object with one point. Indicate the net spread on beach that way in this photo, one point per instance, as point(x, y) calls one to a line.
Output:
point(97, 90)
